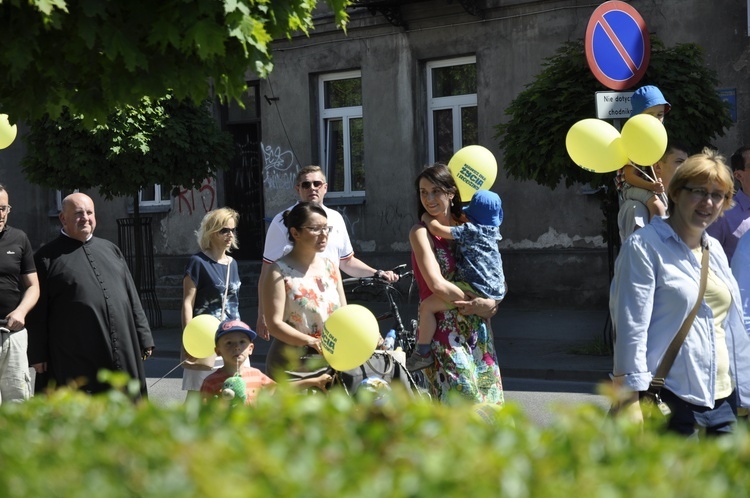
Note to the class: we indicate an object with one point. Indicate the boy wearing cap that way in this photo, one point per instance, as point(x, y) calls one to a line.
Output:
point(633, 185)
point(234, 343)
point(479, 267)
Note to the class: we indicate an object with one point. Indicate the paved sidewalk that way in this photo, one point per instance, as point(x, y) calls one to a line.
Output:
point(534, 344)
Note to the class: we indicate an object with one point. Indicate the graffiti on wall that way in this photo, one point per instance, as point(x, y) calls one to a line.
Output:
point(349, 222)
point(395, 220)
point(206, 195)
point(279, 168)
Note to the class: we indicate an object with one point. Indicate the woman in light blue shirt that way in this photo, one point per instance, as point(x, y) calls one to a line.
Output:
point(656, 282)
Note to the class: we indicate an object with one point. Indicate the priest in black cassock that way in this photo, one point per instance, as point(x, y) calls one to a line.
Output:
point(89, 316)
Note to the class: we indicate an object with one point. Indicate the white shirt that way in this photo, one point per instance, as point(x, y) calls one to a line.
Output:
point(339, 246)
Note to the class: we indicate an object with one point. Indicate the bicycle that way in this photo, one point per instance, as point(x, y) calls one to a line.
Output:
point(406, 338)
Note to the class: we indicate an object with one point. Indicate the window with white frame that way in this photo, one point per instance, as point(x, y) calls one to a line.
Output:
point(341, 133)
point(62, 194)
point(452, 121)
point(154, 195)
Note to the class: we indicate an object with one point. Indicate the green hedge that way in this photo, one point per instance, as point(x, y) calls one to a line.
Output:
point(68, 444)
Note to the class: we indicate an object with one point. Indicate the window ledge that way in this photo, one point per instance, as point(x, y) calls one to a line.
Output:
point(344, 201)
point(158, 208)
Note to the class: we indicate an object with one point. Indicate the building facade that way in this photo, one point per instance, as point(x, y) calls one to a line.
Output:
point(409, 83)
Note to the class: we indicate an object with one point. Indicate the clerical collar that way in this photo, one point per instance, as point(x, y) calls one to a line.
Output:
point(62, 230)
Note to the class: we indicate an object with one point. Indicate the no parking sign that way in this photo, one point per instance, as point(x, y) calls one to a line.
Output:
point(618, 47)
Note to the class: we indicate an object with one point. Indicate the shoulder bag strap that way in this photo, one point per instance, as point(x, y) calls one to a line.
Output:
point(666, 363)
point(226, 289)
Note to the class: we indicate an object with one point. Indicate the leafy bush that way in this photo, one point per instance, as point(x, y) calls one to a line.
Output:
point(71, 445)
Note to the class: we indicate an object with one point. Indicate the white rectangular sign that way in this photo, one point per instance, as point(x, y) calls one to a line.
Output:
point(613, 105)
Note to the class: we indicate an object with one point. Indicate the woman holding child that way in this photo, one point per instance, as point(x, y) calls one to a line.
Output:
point(465, 363)
point(671, 276)
point(302, 291)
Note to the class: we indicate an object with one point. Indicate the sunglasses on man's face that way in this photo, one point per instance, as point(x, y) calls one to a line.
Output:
point(307, 185)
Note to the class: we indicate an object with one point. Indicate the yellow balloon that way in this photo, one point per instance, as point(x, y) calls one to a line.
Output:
point(596, 145)
point(473, 168)
point(198, 336)
point(350, 336)
point(645, 139)
point(7, 132)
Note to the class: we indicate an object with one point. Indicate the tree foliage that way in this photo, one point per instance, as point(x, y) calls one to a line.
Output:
point(533, 140)
point(164, 141)
point(94, 55)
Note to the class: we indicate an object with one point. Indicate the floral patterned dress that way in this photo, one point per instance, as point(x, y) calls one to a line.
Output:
point(309, 303)
point(464, 350)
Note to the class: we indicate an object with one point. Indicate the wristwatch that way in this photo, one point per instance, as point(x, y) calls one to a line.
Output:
point(378, 273)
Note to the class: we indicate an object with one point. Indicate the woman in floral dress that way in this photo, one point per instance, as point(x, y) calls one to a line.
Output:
point(465, 361)
point(303, 290)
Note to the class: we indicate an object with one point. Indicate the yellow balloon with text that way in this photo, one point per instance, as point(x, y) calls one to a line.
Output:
point(350, 336)
point(473, 168)
point(645, 139)
point(595, 145)
point(7, 132)
point(198, 336)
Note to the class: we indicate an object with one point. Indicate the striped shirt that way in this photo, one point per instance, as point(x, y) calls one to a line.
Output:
point(254, 381)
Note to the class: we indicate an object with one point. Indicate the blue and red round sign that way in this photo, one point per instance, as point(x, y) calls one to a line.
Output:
point(618, 46)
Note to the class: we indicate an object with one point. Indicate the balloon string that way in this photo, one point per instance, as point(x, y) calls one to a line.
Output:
point(662, 196)
point(643, 172)
point(175, 368)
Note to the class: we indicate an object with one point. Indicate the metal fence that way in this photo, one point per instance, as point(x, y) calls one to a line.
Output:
point(147, 288)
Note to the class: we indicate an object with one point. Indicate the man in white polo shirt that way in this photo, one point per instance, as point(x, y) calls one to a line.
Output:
point(312, 187)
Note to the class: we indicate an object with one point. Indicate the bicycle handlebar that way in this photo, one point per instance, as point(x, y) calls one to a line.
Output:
point(376, 280)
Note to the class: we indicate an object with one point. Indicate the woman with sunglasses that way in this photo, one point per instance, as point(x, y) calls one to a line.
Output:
point(206, 284)
point(303, 288)
point(657, 284)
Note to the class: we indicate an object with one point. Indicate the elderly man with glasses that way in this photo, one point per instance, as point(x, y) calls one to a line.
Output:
point(311, 186)
point(19, 292)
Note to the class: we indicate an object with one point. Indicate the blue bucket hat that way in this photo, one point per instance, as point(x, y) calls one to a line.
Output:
point(485, 208)
point(645, 97)
point(234, 326)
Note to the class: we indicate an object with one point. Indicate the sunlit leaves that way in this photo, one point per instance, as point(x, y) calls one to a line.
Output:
point(95, 55)
point(164, 141)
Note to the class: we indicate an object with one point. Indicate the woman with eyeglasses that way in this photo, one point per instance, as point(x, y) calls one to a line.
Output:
point(302, 291)
point(656, 284)
point(211, 286)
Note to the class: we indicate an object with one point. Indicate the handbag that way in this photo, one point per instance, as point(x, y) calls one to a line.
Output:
point(652, 396)
point(190, 363)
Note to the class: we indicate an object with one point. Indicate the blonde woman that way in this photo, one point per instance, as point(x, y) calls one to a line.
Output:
point(655, 286)
point(211, 286)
